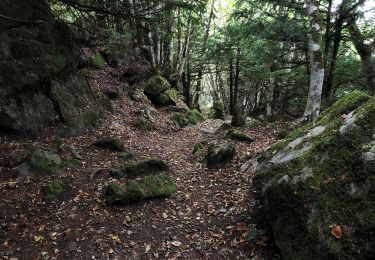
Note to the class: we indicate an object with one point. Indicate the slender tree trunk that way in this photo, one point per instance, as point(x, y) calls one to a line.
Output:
point(312, 109)
point(231, 102)
point(237, 75)
point(270, 91)
point(365, 54)
point(202, 54)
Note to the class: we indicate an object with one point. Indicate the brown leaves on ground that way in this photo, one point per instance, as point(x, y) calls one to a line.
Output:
point(191, 224)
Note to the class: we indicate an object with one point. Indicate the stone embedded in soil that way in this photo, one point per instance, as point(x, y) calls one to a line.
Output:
point(53, 189)
point(149, 187)
point(219, 154)
point(148, 166)
point(111, 143)
point(239, 136)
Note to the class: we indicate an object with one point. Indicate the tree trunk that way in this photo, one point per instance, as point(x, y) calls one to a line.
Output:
point(365, 53)
point(312, 109)
point(270, 92)
point(231, 103)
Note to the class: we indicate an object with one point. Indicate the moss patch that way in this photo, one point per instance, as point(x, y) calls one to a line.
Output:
point(134, 191)
point(219, 110)
point(99, 61)
point(148, 166)
point(53, 189)
point(144, 124)
point(238, 136)
point(330, 184)
point(111, 143)
point(194, 116)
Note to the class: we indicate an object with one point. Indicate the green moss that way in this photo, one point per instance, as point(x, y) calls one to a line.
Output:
point(86, 120)
point(134, 191)
point(99, 61)
point(194, 116)
point(238, 136)
point(151, 165)
point(219, 110)
point(198, 148)
point(53, 189)
point(144, 124)
point(172, 94)
point(303, 211)
point(110, 143)
point(156, 86)
point(179, 119)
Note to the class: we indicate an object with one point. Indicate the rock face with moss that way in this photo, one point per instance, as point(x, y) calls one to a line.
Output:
point(318, 187)
point(218, 108)
point(148, 187)
point(31, 56)
point(41, 161)
point(159, 91)
point(238, 136)
point(220, 154)
point(190, 117)
point(152, 165)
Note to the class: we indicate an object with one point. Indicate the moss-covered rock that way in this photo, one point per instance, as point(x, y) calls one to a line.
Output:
point(134, 191)
point(136, 93)
point(111, 143)
point(238, 136)
point(319, 182)
point(144, 124)
point(191, 117)
point(219, 110)
point(159, 91)
point(42, 161)
point(198, 148)
point(194, 116)
point(84, 121)
point(98, 61)
point(180, 120)
point(53, 189)
point(149, 166)
point(219, 154)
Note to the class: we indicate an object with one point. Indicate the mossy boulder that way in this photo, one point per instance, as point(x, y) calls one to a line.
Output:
point(219, 154)
point(149, 187)
point(53, 189)
point(111, 143)
point(137, 94)
point(148, 166)
point(317, 184)
point(81, 123)
point(238, 136)
point(159, 91)
point(194, 116)
point(144, 124)
point(191, 117)
point(31, 55)
point(238, 120)
point(98, 61)
point(41, 161)
point(219, 110)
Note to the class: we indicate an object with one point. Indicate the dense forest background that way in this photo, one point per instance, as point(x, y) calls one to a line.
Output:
point(253, 56)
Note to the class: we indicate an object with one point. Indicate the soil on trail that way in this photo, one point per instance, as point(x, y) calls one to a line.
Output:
point(210, 217)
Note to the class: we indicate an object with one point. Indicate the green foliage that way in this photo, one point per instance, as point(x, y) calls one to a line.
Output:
point(179, 119)
point(148, 187)
point(53, 189)
point(198, 148)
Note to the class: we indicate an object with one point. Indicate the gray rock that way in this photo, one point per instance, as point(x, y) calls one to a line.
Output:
point(219, 154)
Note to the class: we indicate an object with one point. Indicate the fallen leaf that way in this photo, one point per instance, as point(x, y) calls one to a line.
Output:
point(147, 248)
point(176, 243)
point(336, 231)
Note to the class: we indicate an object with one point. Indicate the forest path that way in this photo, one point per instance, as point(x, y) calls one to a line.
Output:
point(210, 217)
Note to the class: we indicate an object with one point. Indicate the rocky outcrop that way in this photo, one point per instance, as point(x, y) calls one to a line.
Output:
point(35, 48)
point(317, 185)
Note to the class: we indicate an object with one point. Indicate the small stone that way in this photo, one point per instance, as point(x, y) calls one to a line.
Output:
point(176, 243)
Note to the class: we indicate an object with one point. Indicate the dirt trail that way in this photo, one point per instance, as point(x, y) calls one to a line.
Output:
point(210, 217)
